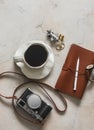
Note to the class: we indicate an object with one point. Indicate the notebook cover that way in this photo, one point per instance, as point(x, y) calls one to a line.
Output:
point(65, 82)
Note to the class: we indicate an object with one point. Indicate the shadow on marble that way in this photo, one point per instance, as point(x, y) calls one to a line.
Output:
point(76, 101)
point(29, 125)
point(5, 102)
point(90, 86)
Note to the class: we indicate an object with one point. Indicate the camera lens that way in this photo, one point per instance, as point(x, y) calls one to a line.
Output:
point(34, 101)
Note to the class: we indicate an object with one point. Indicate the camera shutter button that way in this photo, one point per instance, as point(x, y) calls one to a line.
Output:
point(34, 101)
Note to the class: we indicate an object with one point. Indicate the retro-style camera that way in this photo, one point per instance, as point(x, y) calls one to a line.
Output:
point(33, 105)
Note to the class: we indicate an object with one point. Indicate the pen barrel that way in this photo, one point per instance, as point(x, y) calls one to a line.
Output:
point(75, 80)
point(76, 74)
point(75, 83)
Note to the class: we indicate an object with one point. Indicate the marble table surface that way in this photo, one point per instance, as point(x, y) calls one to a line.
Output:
point(25, 20)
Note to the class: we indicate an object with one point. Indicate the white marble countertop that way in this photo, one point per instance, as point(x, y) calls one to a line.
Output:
point(25, 20)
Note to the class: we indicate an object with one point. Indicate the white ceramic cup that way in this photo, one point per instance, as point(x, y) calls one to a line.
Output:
point(34, 56)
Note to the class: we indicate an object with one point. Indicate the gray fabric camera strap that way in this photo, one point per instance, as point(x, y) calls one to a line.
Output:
point(42, 85)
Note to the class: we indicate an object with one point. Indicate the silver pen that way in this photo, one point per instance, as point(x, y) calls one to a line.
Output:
point(76, 74)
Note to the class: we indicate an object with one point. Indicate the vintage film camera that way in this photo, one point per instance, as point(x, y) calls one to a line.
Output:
point(33, 105)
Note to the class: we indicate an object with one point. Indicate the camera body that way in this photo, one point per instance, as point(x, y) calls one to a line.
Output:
point(33, 105)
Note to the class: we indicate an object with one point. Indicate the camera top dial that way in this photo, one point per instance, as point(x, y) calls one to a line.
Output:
point(34, 101)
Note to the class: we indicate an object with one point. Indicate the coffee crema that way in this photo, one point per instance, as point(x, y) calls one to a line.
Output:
point(36, 55)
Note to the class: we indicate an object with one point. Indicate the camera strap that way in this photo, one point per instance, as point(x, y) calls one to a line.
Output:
point(42, 85)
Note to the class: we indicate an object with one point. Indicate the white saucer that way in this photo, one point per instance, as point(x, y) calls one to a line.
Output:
point(38, 73)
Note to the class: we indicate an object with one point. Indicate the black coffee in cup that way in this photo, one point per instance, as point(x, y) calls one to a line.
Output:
point(36, 55)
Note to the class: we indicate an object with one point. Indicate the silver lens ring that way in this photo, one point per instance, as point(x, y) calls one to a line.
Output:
point(34, 101)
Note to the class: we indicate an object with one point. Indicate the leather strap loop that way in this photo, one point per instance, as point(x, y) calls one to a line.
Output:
point(42, 86)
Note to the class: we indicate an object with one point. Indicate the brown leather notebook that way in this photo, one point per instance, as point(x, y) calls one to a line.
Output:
point(65, 82)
